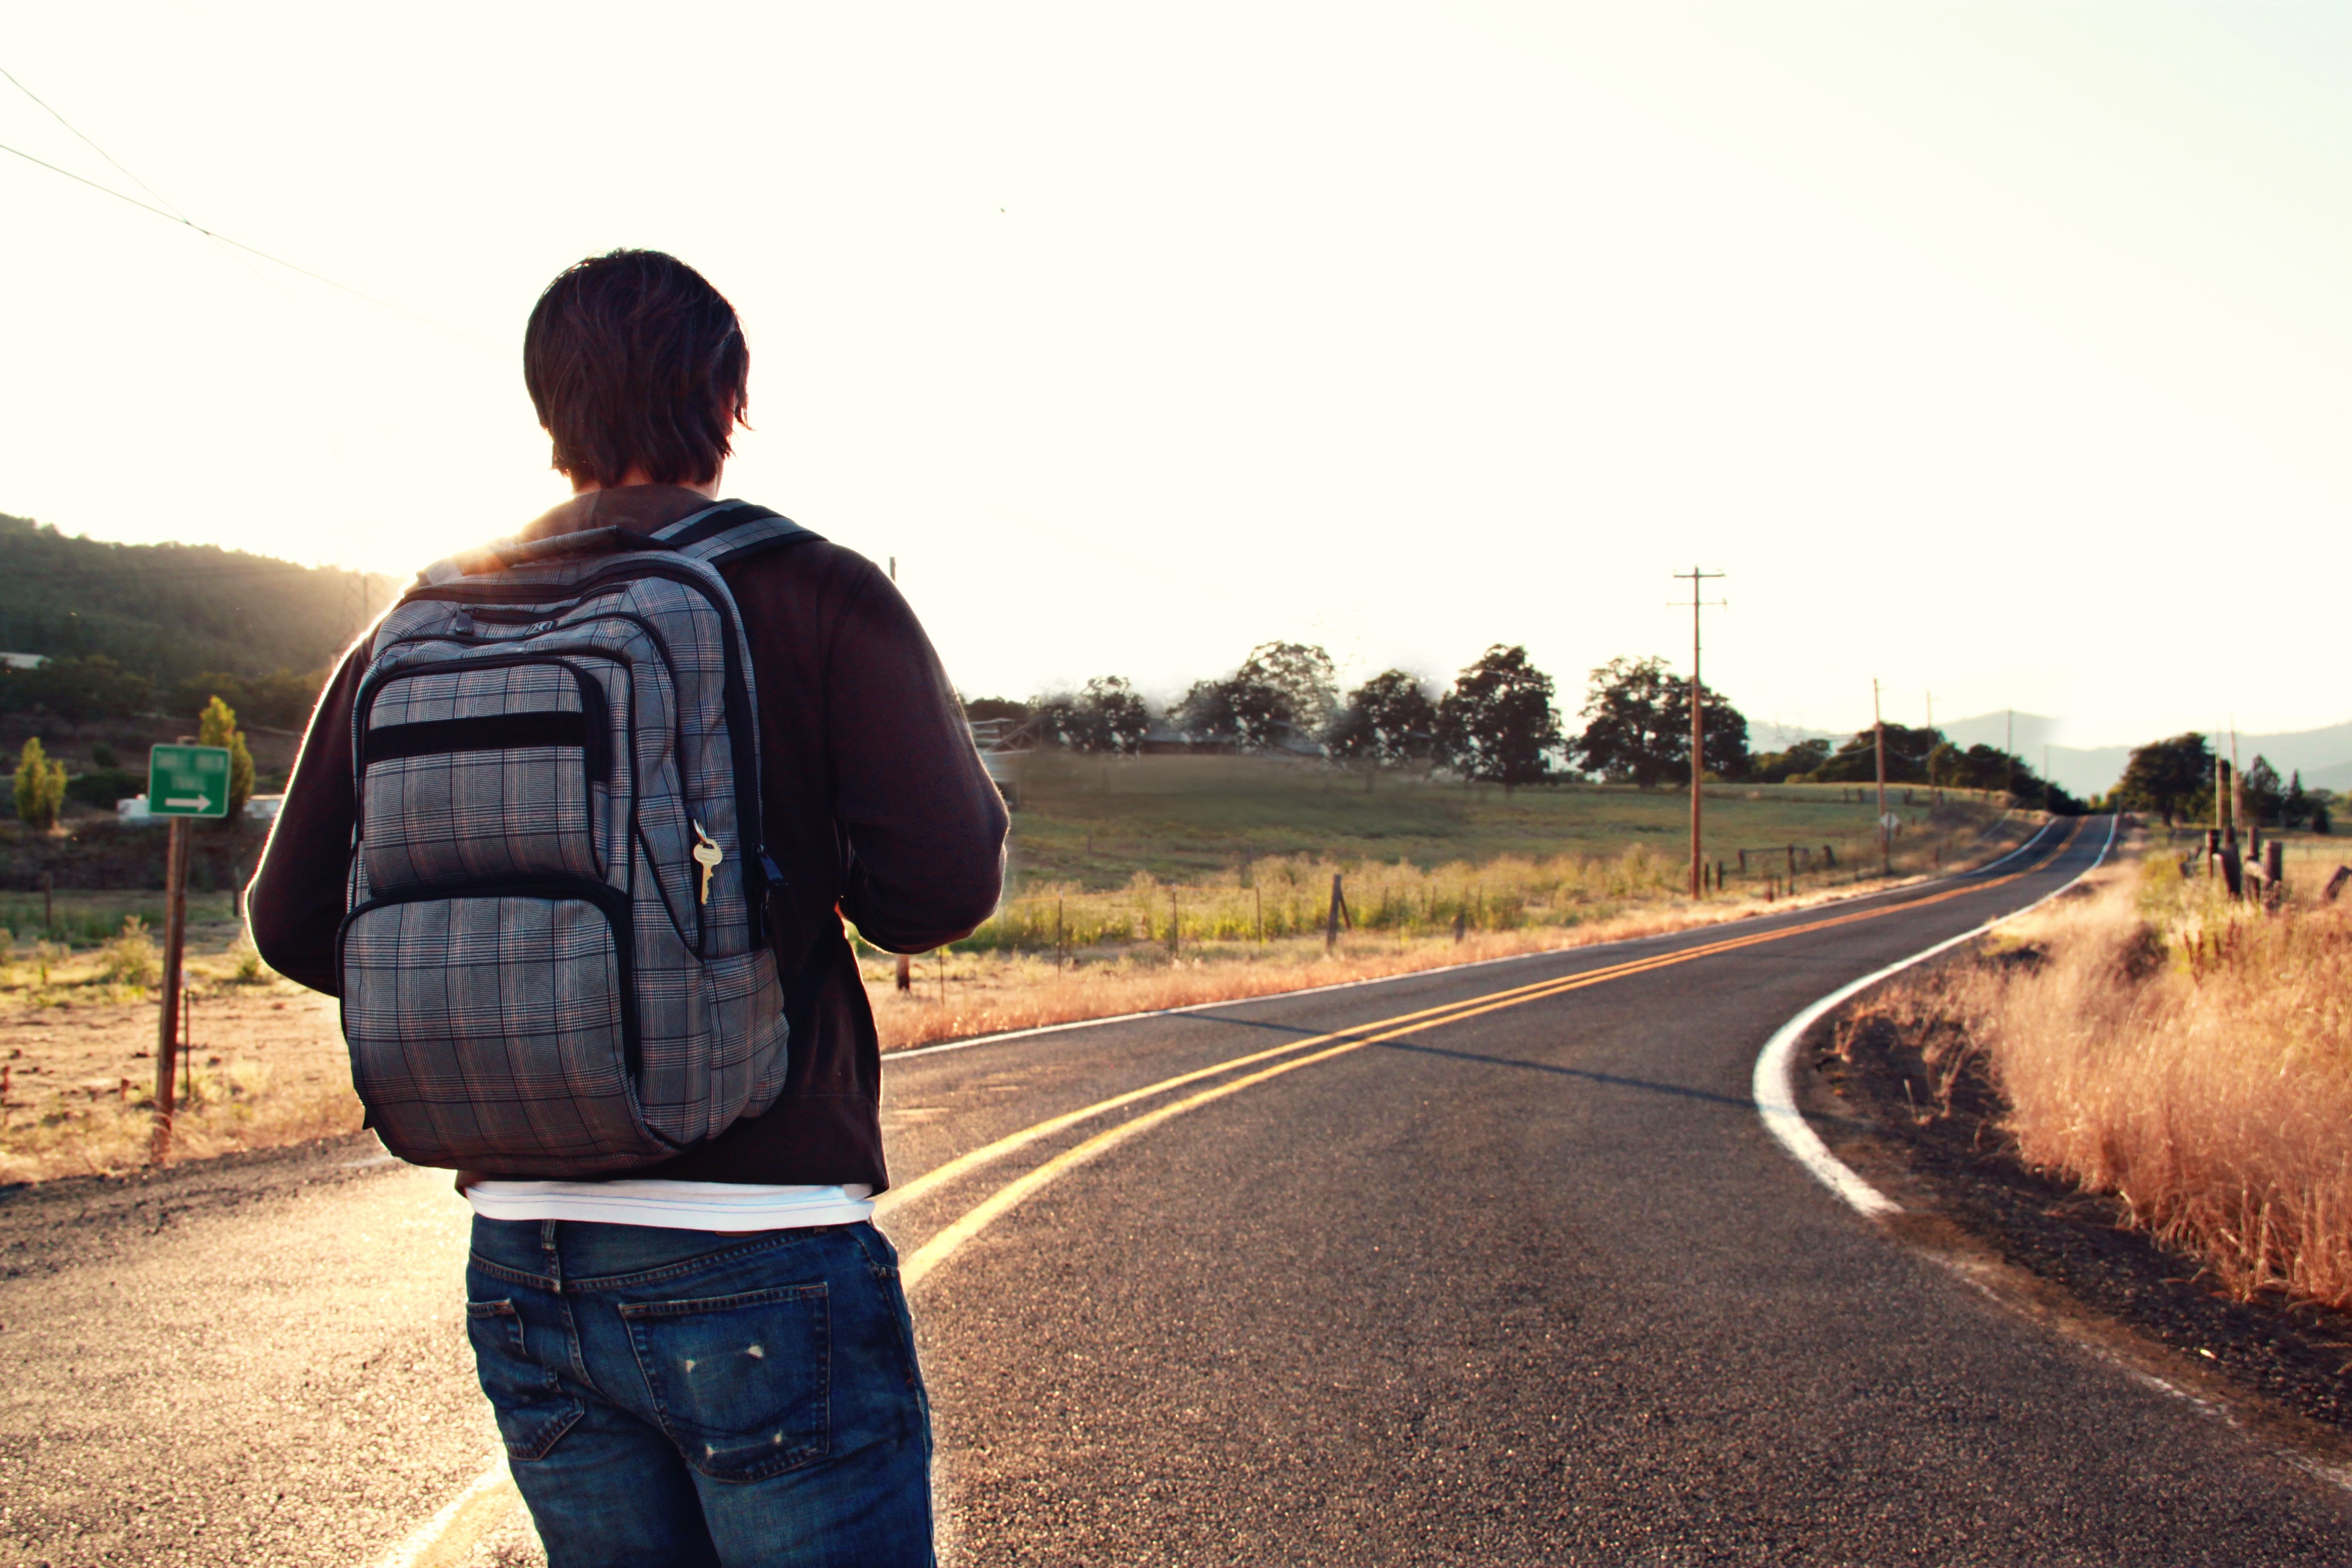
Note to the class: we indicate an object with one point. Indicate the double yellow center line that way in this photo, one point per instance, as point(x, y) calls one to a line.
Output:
point(1301, 1054)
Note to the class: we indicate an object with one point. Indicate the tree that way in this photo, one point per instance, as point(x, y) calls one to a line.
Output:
point(979, 710)
point(1778, 767)
point(40, 787)
point(1629, 730)
point(1107, 716)
point(1205, 713)
point(2296, 807)
point(1723, 731)
point(1498, 722)
point(2166, 776)
point(1387, 720)
point(216, 726)
point(1638, 721)
point(2265, 796)
point(1283, 687)
point(1908, 753)
point(1119, 712)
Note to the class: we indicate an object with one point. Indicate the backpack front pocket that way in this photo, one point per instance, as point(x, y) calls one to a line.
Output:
point(495, 769)
point(491, 1028)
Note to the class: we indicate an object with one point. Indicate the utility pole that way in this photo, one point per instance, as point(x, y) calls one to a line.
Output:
point(2237, 789)
point(1934, 785)
point(1885, 834)
point(2220, 797)
point(1698, 728)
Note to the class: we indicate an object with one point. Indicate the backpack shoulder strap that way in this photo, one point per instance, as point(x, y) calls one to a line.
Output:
point(731, 530)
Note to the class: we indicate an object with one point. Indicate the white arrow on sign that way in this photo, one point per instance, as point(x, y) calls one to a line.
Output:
point(183, 800)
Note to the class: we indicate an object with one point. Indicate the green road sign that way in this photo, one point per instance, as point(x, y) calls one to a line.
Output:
point(187, 781)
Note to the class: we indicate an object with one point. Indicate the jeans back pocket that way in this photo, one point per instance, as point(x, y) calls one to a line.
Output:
point(531, 1408)
point(743, 1383)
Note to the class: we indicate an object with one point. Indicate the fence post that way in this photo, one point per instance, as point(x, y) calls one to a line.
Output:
point(906, 973)
point(1174, 930)
point(2336, 883)
point(2233, 872)
point(1331, 922)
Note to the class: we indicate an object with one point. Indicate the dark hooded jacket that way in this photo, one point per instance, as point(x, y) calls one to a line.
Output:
point(875, 804)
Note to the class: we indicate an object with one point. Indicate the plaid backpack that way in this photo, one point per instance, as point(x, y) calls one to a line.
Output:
point(554, 960)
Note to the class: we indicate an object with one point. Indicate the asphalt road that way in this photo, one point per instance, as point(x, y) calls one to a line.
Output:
point(1522, 1282)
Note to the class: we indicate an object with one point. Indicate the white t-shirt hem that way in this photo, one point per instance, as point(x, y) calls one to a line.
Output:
point(675, 1205)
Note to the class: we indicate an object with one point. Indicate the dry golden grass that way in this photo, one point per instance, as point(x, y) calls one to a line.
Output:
point(1562, 903)
point(2189, 1055)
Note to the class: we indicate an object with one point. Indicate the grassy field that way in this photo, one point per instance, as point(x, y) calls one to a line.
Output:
point(1093, 824)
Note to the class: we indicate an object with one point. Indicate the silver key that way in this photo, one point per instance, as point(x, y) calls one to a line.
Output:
point(707, 855)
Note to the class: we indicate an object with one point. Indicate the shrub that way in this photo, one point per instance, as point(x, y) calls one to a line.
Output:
point(218, 727)
point(129, 957)
point(40, 787)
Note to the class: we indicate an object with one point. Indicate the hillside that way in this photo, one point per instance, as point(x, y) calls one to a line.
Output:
point(168, 611)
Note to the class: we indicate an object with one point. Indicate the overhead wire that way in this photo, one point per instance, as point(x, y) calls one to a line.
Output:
point(171, 213)
point(84, 137)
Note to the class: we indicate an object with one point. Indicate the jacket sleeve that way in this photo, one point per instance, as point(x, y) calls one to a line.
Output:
point(922, 824)
point(296, 901)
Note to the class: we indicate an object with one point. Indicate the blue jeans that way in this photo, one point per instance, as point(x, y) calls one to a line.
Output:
point(694, 1397)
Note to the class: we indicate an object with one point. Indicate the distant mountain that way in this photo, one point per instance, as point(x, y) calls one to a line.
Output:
point(169, 611)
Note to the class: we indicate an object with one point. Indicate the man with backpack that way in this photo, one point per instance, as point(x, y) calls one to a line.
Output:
point(571, 837)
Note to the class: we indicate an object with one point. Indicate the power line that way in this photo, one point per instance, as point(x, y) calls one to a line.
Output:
point(170, 217)
point(93, 146)
point(86, 140)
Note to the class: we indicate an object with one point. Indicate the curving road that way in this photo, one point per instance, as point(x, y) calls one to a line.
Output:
point(1491, 1266)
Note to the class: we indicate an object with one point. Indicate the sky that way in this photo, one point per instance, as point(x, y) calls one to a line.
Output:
point(2000, 353)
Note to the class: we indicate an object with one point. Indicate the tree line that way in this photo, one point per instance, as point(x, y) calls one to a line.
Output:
point(1496, 722)
point(76, 691)
point(2176, 779)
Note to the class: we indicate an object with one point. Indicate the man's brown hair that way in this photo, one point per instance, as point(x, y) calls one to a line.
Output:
point(633, 361)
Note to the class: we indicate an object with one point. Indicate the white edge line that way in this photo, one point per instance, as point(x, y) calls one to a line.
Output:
point(1775, 1083)
point(428, 1534)
point(890, 1056)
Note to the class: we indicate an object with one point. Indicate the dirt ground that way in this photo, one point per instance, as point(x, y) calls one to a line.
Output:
point(266, 1067)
